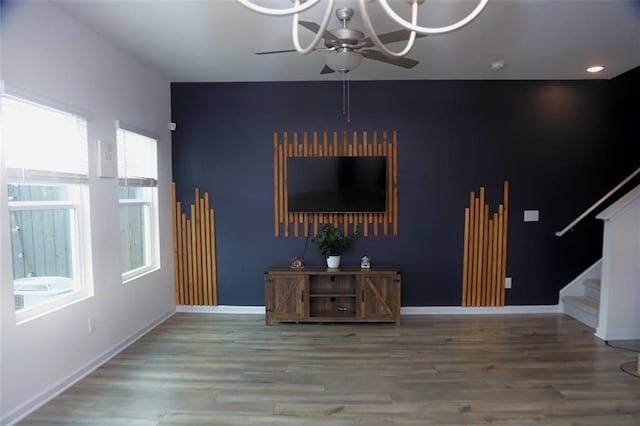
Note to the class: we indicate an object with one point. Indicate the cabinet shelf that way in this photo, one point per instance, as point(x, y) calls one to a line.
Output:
point(333, 295)
point(320, 295)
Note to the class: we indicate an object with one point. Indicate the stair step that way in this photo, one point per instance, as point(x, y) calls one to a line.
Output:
point(584, 309)
point(592, 288)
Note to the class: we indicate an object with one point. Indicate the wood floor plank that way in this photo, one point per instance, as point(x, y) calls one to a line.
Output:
point(432, 370)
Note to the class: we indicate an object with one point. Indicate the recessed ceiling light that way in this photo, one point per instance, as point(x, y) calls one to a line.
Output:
point(497, 65)
point(595, 68)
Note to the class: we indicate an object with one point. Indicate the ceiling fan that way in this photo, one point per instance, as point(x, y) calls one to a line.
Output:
point(347, 47)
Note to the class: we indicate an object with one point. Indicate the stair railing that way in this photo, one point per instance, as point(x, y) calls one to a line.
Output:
point(597, 203)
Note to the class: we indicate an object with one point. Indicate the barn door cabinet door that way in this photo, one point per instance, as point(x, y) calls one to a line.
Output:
point(285, 297)
point(379, 297)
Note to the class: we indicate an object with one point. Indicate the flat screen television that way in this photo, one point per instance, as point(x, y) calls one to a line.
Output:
point(336, 184)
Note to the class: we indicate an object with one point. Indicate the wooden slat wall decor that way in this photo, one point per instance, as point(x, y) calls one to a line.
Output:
point(334, 144)
point(194, 251)
point(484, 258)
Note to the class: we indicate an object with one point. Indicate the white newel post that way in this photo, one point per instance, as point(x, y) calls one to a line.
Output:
point(620, 282)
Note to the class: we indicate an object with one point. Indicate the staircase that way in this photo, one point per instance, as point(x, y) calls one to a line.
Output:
point(606, 295)
point(586, 307)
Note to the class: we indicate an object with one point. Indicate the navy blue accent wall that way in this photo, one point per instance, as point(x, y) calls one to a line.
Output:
point(561, 145)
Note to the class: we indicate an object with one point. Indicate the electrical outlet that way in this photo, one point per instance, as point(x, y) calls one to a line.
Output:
point(507, 282)
point(92, 324)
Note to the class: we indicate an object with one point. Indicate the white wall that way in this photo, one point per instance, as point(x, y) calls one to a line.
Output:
point(50, 54)
point(620, 291)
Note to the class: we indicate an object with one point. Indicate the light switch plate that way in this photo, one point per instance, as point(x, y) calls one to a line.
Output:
point(106, 159)
point(531, 215)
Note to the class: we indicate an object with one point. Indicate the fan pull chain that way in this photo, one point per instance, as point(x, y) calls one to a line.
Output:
point(343, 94)
point(346, 98)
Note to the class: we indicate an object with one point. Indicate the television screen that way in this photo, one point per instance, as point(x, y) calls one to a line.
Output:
point(336, 184)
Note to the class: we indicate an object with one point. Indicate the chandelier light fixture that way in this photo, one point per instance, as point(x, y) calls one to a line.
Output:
point(412, 26)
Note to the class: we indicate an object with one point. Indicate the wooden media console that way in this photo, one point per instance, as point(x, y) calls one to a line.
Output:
point(317, 294)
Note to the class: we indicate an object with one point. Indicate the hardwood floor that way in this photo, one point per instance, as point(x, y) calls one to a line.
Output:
point(431, 370)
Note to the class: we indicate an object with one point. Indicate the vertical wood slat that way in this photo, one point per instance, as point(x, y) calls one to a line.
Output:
point(286, 154)
point(194, 255)
point(194, 252)
point(489, 269)
point(174, 234)
point(203, 254)
point(484, 251)
point(214, 265)
point(395, 183)
point(177, 208)
point(465, 257)
point(486, 287)
point(494, 266)
point(504, 241)
point(207, 246)
point(476, 252)
point(472, 252)
point(485, 258)
point(190, 263)
point(500, 252)
point(295, 216)
point(304, 218)
point(276, 185)
point(185, 268)
point(199, 257)
point(478, 300)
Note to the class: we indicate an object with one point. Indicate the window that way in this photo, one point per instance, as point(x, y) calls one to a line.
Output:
point(137, 173)
point(47, 169)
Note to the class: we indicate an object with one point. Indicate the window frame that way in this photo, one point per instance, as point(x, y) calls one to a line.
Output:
point(150, 233)
point(149, 202)
point(77, 203)
point(78, 219)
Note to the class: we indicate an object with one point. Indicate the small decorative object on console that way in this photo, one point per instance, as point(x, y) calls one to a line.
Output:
point(365, 263)
point(297, 263)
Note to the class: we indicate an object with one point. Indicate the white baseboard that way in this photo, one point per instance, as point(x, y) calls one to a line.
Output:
point(407, 310)
point(459, 310)
point(618, 335)
point(29, 406)
point(221, 309)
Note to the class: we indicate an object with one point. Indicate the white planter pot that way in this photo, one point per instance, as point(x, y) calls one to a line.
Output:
point(333, 262)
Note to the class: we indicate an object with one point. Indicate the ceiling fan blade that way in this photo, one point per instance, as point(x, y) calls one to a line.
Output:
point(269, 52)
point(326, 70)
point(328, 36)
point(381, 57)
point(392, 37)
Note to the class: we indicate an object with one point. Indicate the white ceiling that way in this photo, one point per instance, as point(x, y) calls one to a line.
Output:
point(215, 40)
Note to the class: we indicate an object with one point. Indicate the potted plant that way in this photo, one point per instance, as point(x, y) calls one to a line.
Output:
point(332, 243)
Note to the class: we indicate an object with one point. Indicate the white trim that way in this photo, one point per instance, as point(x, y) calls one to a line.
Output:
point(620, 206)
point(480, 310)
point(135, 129)
point(17, 206)
point(19, 175)
point(26, 408)
point(617, 335)
point(221, 309)
point(34, 98)
point(406, 310)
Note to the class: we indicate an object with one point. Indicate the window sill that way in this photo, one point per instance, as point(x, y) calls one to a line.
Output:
point(29, 314)
point(138, 273)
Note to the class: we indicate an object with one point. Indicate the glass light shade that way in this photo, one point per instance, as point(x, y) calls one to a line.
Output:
point(343, 60)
